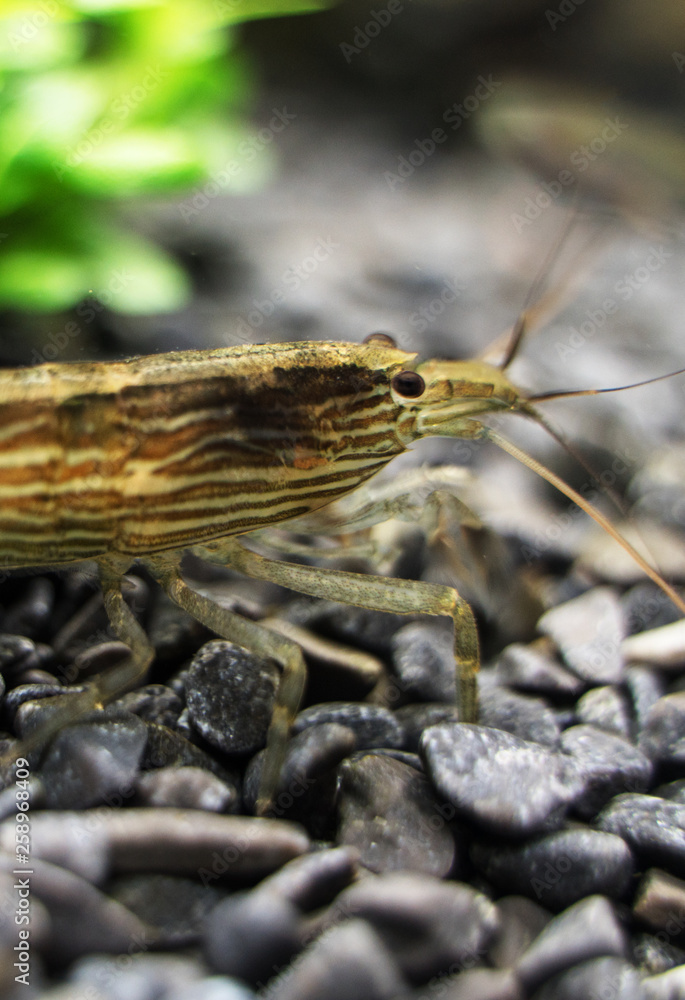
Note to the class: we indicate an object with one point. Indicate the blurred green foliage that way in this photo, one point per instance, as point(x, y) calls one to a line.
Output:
point(102, 101)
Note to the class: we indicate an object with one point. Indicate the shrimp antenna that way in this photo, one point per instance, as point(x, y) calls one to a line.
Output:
point(544, 396)
point(592, 511)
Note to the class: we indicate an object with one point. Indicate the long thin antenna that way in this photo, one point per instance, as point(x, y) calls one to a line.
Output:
point(580, 501)
point(544, 396)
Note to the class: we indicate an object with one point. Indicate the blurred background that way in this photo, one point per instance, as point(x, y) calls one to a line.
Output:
point(216, 172)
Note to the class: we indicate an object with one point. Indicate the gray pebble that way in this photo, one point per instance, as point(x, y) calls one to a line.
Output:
point(654, 828)
point(153, 703)
point(372, 725)
point(599, 977)
point(348, 962)
point(645, 686)
point(388, 811)
point(141, 977)
point(430, 926)
point(30, 615)
point(314, 752)
point(230, 695)
point(252, 934)
point(607, 765)
point(475, 984)
point(313, 880)
point(521, 920)
point(174, 907)
point(608, 708)
point(211, 988)
point(82, 918)
point(656, 953)
point(664, 647)
point(15, 651)
point(416, 717)
point(666, 986)
point(423, 660)
point(588, 929)
point(186, 788)
point(93, 762)
point(663, 736)
point(526, 717)
point(207, 846)
point(646, 607)
point(588, 632)
point(361, 627)
point(660, 903)
point(560, 868)
point(167, 748)
point(673, 790)
point(534, 672)
point(503, 783)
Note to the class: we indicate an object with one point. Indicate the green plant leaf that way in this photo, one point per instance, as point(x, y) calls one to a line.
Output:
point(134, 276)
point(41, 280)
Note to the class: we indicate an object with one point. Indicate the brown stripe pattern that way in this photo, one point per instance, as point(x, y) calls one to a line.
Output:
point(167, 451)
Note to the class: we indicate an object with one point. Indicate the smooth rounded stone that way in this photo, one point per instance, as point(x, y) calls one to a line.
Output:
point(173, 632)
point(660, 903)
point(71, 840)
point(475, 984)
point(348, 962)
point(211, 988)
point(315, 879)
point(526, 717)
point(373, 725)
point(561, 868)
point(416, 717)
point(532, 671)
point(654, 828)
point(30, 615)
point(252, 934)
point(665, 986)
point(230, 695)
point(174, 907)
point(208, 846)
point(504, 784)
point(430, 926)
point(388, 811)
point(645, 606)
point(674, 790)
point(423, 660)
point(656, 953)
point(613, 978)
point(24, 693)
point(312, 753)
point(15, 651)
point(521, 920)
point(645, 686)
point(167, 748)
point(37, 712)
point(361, 627)
point(186, 788)
point(588, 929)
point(141, 977)
point(588, 632)
point(82, 919)
point(91, 762)
point(663, 736)
point(95, 659)
point(663, 647)
point(608, 708)
point(153, 703)
point(607, 765)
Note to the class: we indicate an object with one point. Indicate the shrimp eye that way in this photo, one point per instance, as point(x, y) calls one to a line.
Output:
point(383, 339)
point(408, 384)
